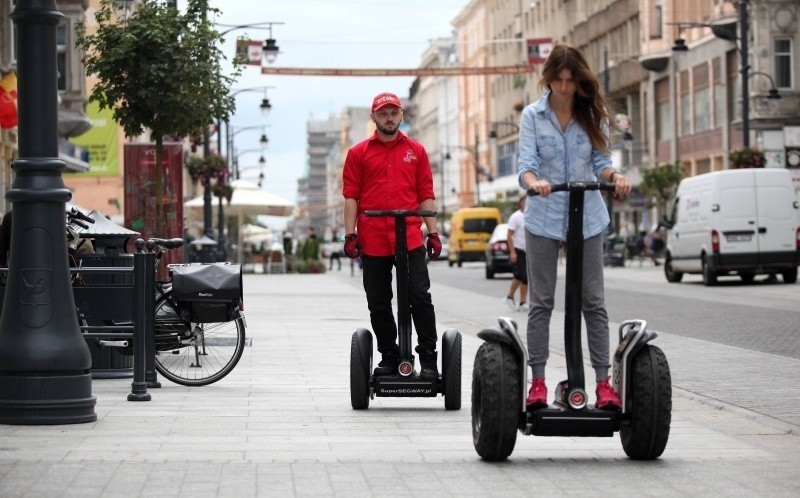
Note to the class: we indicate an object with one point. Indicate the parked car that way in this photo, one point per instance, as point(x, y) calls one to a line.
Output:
point(497, 260)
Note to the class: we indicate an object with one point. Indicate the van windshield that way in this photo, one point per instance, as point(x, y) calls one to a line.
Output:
point(479, 225)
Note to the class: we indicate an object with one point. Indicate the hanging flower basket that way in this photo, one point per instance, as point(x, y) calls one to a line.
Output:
point(747, 158)
point(205, 168)
point(223, 191)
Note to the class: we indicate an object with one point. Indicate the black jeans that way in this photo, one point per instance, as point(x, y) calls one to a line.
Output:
point(377, 278)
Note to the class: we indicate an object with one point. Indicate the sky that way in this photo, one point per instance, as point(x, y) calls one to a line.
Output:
point(328, 34)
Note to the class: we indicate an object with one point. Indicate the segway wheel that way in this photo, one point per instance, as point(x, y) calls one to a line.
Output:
point(451, 370)
point(360, 364)
point(495, 401)
point(650, 405)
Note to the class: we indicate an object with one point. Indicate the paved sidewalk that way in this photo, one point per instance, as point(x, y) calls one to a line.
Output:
point(281, 425)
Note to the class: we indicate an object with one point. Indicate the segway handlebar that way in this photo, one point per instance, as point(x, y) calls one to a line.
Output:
point(400, 213)
point(571, 186)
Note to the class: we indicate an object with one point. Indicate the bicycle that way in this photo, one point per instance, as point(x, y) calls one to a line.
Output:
point(188, 352)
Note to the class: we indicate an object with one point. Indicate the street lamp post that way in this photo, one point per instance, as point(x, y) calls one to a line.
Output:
point(237, 154)
point(235, 130)
point(745, 69)
point(44, 361)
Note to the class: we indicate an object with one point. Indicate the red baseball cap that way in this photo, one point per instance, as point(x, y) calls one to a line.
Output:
point(384, 99)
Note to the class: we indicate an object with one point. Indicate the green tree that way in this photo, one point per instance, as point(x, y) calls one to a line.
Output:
point(659, 185)
point(159, 70)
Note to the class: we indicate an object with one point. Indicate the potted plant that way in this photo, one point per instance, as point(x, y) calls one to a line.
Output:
point(747, 158)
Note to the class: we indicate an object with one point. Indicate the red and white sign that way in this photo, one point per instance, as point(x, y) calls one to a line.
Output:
point(249, 51)
point(539, 49)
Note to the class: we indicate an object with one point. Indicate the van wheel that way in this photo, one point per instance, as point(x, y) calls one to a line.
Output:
point(789, 276)
point(672, 275)
point(709, 277)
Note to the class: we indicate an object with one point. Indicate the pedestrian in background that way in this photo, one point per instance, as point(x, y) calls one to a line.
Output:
point(516, 255)
point(564, 137)
point(335, 250)
point(384, 172)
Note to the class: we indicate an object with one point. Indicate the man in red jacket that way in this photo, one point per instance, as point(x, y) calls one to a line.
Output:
point(391, 171)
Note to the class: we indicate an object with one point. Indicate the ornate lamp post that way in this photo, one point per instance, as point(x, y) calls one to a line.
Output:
point(44, 360)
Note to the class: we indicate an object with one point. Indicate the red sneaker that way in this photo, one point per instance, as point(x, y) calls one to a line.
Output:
point(537, 396)
point(606, 397)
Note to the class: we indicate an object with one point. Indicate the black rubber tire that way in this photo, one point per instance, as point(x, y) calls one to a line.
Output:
point(359, 380)
point(789, 276)
point(496, 401)
point(222, 342)
point(452, 378)
point(673, 277)
point(650, 405)
point(709, 277)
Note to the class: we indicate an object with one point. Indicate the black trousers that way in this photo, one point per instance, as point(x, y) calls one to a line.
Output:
point(377, 278)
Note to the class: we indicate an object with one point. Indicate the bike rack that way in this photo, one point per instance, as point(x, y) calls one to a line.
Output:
point(142, 330)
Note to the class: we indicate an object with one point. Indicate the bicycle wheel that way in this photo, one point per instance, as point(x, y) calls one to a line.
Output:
point(195, 354)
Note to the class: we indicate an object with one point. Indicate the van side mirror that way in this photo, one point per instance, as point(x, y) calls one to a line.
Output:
point(666, 222)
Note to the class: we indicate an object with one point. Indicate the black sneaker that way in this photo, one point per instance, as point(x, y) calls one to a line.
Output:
point(388, 364)
point(427, 361)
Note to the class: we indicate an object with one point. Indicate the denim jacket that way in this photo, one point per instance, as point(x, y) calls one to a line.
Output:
point(559, 157)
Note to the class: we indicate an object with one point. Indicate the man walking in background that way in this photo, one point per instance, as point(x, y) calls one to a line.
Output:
point(516, 255)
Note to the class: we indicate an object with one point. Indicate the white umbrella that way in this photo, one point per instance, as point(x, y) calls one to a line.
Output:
point(248, 199)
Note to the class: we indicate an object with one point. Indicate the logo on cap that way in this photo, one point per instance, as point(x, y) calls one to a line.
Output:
point(384, 99)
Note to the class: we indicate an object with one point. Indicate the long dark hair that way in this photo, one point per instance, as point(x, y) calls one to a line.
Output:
point(590, 109)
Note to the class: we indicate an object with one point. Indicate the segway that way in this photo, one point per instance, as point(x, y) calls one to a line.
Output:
point(406, 382)
point(641, 376)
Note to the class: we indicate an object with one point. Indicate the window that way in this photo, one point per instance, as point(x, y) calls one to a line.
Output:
point(507, 159)
point(719, 94)
point(61, 56)
point(734, 85)
point(663, 111)
point(686, 104)
point(656, 20)
point(783, 63)
point(702, 98)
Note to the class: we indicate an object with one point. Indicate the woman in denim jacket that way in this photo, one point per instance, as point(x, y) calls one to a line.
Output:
point(564, 138)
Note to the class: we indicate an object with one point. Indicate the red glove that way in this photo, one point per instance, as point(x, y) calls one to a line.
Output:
point(434, 246)
point(352, 248)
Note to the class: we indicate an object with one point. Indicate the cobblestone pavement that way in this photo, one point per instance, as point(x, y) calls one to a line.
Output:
point(281, 425)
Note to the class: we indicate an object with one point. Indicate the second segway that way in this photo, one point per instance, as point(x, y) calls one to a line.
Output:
point(406, 381)
point(641, 375)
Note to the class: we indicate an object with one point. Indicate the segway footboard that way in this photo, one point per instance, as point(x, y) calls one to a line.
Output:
point(405, 387)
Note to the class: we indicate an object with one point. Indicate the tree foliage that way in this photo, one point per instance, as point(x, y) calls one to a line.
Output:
point(660, 184)
point(159, 70)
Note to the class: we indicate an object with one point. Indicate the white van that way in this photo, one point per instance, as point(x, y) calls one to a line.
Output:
point(740, 221)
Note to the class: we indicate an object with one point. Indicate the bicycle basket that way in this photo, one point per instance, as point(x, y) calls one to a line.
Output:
point(207, 292)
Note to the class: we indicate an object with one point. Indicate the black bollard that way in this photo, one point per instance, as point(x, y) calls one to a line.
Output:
point(150, 374)
point(140, 297)
point(44, 360)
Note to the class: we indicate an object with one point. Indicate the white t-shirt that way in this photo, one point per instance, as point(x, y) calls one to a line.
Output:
point(516, 222)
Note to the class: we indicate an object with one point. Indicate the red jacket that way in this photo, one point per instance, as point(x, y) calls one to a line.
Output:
point(387, 175)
